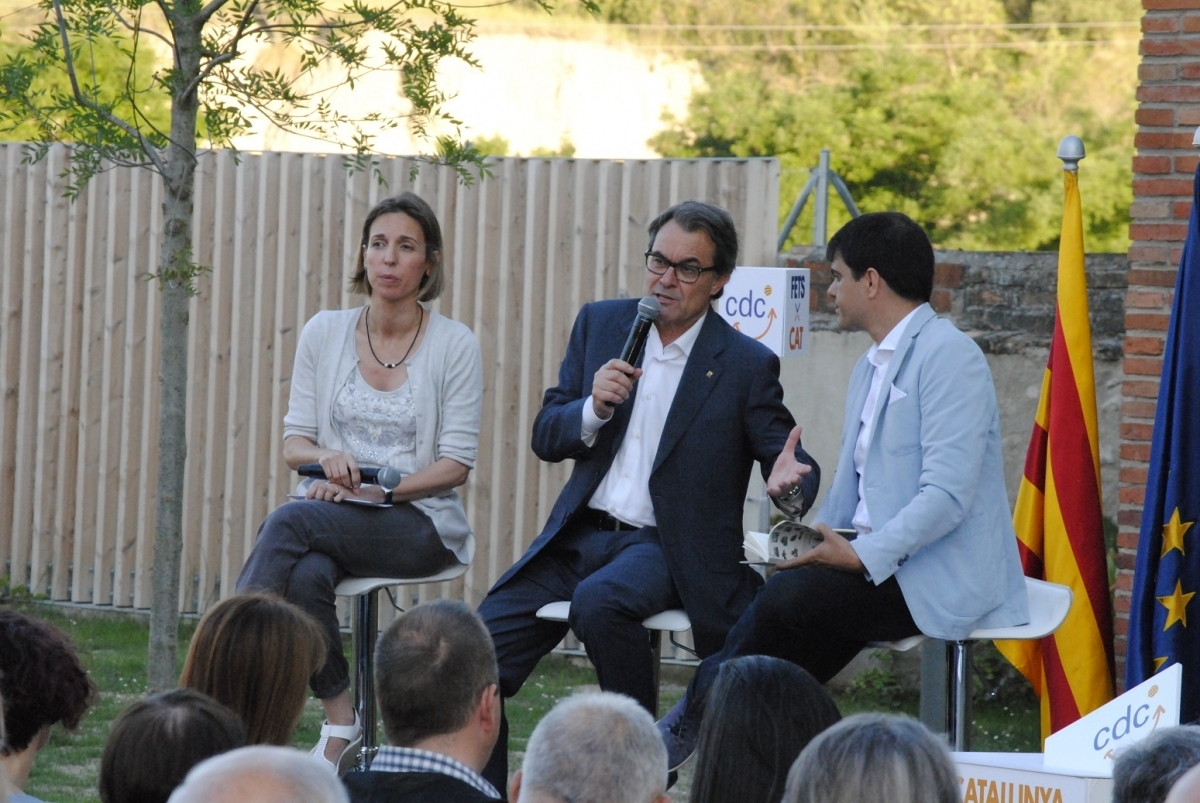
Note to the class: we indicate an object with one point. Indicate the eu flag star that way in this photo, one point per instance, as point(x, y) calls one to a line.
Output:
point(1173, 532)
point(1176, 605)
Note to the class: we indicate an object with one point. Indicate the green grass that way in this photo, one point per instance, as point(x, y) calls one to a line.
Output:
point(113, 647)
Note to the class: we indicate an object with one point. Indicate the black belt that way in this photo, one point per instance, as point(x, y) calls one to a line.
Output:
point(600, 520)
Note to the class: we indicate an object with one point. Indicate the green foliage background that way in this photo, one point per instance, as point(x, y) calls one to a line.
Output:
point(105, 64)
point(957, 127)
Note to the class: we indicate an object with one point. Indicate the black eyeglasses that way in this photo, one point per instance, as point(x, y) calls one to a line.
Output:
point(686, 272)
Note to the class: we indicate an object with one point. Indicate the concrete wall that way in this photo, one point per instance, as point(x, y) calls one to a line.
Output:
point(815, 391)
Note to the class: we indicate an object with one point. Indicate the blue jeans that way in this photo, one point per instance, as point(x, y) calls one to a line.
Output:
point(306, 547)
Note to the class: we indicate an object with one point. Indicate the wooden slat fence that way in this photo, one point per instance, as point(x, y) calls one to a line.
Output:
point(79, 342)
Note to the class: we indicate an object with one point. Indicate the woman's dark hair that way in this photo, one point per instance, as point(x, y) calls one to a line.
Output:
point(155, 742)
point(894, 245)
point(414, 206)
point(255, 653)
point(42, 681)
point(761, 713)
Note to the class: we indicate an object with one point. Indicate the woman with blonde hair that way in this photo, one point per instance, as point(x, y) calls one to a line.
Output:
point(874, 757)
point(255, 653)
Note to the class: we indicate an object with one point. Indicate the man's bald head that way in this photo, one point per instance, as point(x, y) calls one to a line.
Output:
point(260, 774)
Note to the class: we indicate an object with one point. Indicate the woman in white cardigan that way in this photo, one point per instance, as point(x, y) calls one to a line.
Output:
point(387, 384)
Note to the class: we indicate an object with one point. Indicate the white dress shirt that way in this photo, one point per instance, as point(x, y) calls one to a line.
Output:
point(624, 493)
point(879, 355)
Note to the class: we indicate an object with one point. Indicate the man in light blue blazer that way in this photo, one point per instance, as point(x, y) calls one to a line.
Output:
point(920, 478)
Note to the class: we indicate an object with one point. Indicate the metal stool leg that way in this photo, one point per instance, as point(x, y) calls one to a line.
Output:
point(959, 710)
point(366, 625)
point(656, 656)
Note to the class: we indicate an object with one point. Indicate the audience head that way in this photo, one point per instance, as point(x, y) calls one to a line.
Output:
point(1145, 771)
point(1187, 788)
point(894, 245)
point(593, 748)
point(762, 712)
point(874, 757)
point(406, 203)
point(42, 682)
point(255, 653)
point(154, 742)
point(435, 674)
point(261, 774)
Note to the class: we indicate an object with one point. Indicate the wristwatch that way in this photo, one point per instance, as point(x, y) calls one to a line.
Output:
point(388, 497)
point(793, 494)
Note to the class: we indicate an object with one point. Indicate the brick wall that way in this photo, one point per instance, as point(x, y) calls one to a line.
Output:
point(1163, 165)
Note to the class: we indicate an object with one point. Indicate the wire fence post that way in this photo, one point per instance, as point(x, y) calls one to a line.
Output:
point(819, 180)
point(820, 227)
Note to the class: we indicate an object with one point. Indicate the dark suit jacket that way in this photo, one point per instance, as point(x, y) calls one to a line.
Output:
point(410, 787)
point(728, 412)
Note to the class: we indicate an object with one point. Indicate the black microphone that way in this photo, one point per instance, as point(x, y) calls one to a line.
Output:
point(648, 309)
point(387, 477)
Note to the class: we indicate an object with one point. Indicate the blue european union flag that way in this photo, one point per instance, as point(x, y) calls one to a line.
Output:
point(1164, 617)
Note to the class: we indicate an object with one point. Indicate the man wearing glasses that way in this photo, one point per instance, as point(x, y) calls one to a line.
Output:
point(651, 518)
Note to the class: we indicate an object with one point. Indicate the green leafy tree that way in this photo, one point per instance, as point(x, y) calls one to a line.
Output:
point(57, 88)
point(111, 64)
point(942, 110)
point(495, 145)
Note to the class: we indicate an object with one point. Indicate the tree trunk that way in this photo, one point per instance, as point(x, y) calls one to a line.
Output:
point(175, 277)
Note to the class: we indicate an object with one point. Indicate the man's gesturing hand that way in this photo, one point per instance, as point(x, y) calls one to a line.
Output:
point(834, 552)
point(612, 385)
point(788, 472)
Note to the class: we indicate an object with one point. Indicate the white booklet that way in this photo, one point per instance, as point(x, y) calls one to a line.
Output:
point(349, 499)
point(787, 539)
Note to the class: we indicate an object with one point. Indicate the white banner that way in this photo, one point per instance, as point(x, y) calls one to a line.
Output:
point(1092, 743)
point(769, 305)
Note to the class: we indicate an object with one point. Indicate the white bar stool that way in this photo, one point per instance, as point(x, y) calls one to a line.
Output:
point(672, 621)
point(365, 627)
point(1049, 604)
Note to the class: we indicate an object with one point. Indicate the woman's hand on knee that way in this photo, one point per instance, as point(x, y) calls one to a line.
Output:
point(326, 492)
point(332, 492)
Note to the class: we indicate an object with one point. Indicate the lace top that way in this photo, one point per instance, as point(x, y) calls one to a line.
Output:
point(378, 427)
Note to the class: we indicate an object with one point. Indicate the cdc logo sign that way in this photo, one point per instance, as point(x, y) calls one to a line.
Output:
point(769, 305)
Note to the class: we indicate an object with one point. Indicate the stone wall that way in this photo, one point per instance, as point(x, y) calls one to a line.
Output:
point(1005, 299)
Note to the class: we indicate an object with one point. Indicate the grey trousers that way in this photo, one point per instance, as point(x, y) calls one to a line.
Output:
point(306, 547)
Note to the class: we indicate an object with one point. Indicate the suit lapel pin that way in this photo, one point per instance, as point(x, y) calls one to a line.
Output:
point(710, 374)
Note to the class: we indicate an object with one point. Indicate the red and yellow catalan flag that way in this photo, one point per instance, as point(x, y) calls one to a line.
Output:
point(1060, 532)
